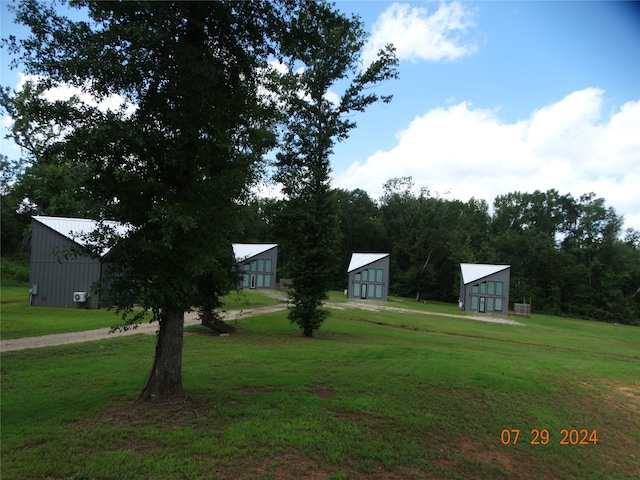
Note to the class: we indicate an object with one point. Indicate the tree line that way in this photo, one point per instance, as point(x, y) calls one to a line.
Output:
point(569, 256)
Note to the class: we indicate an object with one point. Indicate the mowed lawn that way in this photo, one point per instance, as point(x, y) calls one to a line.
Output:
point(376, 395)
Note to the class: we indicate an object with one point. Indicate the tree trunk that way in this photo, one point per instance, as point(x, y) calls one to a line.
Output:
point(215, 323)
point(165, 379)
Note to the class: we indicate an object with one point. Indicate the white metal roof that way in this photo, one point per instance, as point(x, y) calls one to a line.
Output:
point(359, 260)
point(76, 228)
point(475, 271)
point(242, 251)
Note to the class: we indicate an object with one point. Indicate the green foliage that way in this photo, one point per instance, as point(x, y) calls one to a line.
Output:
point(325, 51)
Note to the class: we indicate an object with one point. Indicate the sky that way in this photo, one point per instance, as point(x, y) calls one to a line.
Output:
point(493, 97)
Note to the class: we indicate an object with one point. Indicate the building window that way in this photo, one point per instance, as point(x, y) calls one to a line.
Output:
point(357, 277)
point(499, 289)
point(364, 275)
point(245, 279)
point(474, 302)
point(267, 265)
point(490, 304)
point(246, 267)
point(498, 306)
point(260, 281)
point(379, 277)
point(378, 293)
point(491, 288)
point(267, 281)
point(261, 265)
point(356, 290)
point(475, 289)
point(253, 266)
point(483, 287)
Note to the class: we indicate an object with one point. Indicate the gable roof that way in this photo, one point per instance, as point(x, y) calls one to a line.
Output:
point(359, 260)
point(75, 229)
point(243, 251)
point(475, 271)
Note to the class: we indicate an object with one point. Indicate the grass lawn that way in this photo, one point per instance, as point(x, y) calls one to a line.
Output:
point(376, 395)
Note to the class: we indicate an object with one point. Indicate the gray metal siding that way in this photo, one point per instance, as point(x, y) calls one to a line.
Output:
point(383, 264)
point(271, 254)
point(503, 276)
point(58, 278)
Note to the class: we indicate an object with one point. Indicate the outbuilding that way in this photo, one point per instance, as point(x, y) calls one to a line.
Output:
point(259, 262)
point(60, 276)
point(484, 288)
point(368, 276)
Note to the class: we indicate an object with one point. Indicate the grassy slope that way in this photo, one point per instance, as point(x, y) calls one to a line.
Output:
point(376, 395)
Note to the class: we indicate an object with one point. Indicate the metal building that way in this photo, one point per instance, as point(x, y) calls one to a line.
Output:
point(368, 276)
point(484, 288)
point(259, 261)
point(58, 276)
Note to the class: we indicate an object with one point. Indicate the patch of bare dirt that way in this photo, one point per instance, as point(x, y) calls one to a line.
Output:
point(323, 391)
point(178, 412)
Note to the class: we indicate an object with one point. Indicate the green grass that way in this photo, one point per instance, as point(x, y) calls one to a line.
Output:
point(379, 395)
point(20, 320)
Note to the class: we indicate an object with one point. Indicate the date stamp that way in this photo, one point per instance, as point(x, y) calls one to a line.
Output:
point(543, 437)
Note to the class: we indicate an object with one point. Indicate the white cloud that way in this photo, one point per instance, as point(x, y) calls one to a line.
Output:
point(418, 35)
point(470, 152)
point(64, 92)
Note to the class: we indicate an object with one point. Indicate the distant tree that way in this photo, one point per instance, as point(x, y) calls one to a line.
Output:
point(360, 226)
point(326, 54)
point(173, 160)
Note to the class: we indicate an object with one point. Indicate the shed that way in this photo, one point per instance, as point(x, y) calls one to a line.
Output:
point(484, 288)
point(259, 261)
point(56, 278)
point(368, 276)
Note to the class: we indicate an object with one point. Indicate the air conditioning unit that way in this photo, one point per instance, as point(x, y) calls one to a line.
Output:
point(79, 297)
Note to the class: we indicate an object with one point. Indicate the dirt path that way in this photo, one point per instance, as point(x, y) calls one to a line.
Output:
point(101, 333)
point(374, 307)
point(192, 319)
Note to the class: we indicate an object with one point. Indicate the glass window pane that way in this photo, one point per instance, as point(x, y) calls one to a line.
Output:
point(498, 288)
point(267, 281)
point(498, 306)
point(475, 289)
point(364, 275)
point(267, 265)
point(253, 266)
point(357, 277)
point(378, 291)
point(490, 304)
point(474, 303)
point(491, 288)
point(379, 276)
point(356, 290)
point(245, 279)
point(245, 267)
point(483, 287)
point(260, 281)
point(261, 265)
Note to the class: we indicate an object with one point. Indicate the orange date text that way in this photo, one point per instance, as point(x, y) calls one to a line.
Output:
point(543, 437)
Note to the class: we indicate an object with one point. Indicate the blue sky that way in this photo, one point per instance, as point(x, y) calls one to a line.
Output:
point(496, 97)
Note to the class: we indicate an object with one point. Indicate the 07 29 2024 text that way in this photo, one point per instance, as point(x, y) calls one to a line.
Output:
point(543, 437)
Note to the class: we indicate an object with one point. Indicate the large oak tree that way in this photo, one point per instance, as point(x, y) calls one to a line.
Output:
point(172, 160)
